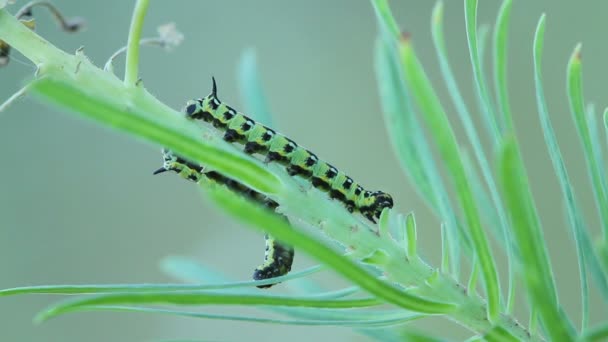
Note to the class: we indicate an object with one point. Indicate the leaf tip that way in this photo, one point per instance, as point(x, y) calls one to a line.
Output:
point(577, 54)
point(42, 317)
point(438, 13)
point(405, 37)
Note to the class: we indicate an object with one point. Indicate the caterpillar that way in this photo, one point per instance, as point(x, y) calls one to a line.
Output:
point(278, 256)
point(257, 138)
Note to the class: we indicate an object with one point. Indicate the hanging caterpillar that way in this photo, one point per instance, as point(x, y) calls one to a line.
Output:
point(276, 147)
point(278, 257)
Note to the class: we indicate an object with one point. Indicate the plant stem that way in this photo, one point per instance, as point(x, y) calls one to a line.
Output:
point(137, 23)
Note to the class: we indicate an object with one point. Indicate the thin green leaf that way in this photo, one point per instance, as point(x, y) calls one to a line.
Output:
point(577, 108)
point(198, 298)
point(386, 20)
point(445, 250)
point(250, 86)
point(501, 40)
point(415, 336)
point(599, 333)
point(498, 334)
point(142, 288)
point(438, 123)
point(409, 143)
point(532, 254)
point(472, 284)
point(374, 319)
point(497, 210)
point(406, 133)
point(605, 117)
point(489, 117)
point(575, 218)
point(596, 145)
point(189, 270)
point(410, 226)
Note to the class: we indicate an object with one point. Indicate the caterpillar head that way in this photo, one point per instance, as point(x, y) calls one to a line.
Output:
point(381, 200)
point(184, 168)
point(205, 108)
point(193, 109)
point(170, 162)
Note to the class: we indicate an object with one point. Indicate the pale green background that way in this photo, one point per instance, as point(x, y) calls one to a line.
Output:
point(78, 202)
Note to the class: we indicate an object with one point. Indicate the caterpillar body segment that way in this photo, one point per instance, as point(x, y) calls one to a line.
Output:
point(278, 259)
point(278, 256)
point(257, 138)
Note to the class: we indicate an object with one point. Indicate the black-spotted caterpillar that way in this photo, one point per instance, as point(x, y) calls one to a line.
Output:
point(278, 257)
point(258, 138)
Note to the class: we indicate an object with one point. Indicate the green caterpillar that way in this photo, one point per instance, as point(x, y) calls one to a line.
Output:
point(258, 138)
point(278, 257)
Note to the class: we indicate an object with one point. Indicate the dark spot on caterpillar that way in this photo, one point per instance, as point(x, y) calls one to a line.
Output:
point(312, 160)
point(319, 183)
point(347, 183)
point(252, 147)
point(206, 116)
point(275, 156)
point(191, 109)
point(270, 204)
point(331, 172)
point(246, 126)
point(289, 148)
point(272, 156)
point(232, 135)
point(336, 194)
point(228, 116)
point(267, 136)
point(218, 124)
point(358, 191)
point(350, 206)
point(294, 170)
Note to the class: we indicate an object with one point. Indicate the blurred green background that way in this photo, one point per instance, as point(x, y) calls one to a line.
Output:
point(79, 204)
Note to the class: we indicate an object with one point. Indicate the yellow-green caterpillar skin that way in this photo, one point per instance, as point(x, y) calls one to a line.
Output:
point(257, 138)
point(278, 257)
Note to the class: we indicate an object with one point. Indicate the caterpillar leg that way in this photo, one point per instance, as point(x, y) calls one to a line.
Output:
point(277, 261)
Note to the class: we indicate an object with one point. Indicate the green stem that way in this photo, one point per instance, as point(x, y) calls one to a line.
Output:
point(137, 23)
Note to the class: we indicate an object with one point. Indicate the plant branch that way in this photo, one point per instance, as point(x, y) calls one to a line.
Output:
point(137, 23)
